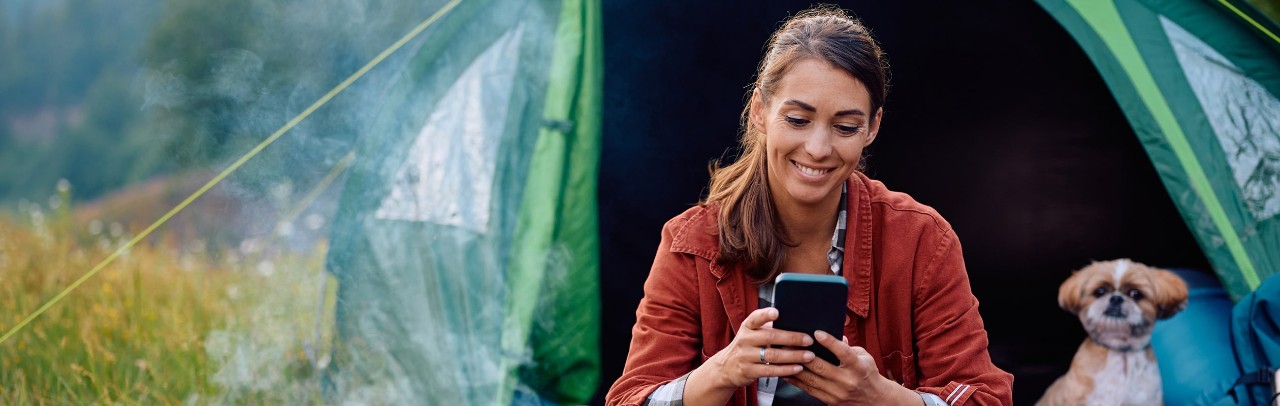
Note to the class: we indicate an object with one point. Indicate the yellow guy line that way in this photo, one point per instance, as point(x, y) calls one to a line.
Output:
point(311, 196)
point(1250, 20)
point(236, 165)
point(320, 187)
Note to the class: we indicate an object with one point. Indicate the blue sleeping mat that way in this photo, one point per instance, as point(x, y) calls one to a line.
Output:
point(1194, 346)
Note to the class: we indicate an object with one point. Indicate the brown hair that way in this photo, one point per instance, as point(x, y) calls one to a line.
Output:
point(748, 224)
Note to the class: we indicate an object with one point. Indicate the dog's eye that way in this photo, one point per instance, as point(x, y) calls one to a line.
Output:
point(1135, 294)
point(1100, 291)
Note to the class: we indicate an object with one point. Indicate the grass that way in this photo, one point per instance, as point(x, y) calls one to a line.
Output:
point(160, 325)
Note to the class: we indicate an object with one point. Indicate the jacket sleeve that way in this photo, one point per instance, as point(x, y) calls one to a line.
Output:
point(951, 340)
point(667, 333)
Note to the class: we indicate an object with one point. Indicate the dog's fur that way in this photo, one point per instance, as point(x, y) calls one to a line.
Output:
point(1118, 302)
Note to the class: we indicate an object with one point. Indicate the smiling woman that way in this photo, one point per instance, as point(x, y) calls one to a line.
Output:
point(795, 201)
point(816, 127)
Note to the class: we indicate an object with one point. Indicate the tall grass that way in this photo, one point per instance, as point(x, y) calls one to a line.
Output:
point(160, 325)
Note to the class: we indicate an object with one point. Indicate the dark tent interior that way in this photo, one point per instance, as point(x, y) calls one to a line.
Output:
point(995, 117)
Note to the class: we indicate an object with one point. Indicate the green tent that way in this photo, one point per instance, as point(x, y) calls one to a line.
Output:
point(1198, 81)
point(465, 245)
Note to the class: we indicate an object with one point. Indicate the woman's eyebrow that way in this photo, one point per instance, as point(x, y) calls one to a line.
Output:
point(806, 106)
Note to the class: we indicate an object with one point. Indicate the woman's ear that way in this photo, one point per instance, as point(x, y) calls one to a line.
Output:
point(757, 111)
point(874, 126)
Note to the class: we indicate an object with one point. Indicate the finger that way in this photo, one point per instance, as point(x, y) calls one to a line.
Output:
point(821, 367)
point(762, 370)
point(843, 352)
point(781, 337)
point(758, 318)
point(765, 337)
point(775, 337)
point(787, 356)
point(806, 383)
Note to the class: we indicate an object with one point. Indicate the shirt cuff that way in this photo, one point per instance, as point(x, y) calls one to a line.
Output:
point(931, 399)
point(670, 393)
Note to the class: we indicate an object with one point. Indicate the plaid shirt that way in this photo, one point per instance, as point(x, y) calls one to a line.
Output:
point(773, 388)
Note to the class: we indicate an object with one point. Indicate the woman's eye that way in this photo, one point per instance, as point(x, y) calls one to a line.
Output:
point(796, 121)
point(1099, 292)
point(848, 129)
point(1135, 294)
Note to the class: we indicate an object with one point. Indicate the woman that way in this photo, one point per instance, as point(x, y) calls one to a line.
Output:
point(796, 201)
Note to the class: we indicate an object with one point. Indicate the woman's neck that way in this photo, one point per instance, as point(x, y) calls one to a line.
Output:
point(808, 224)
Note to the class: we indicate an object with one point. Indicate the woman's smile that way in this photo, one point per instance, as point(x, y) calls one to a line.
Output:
point(810, 172)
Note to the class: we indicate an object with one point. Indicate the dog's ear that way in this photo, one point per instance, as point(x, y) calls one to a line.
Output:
point(1169, 293)
point(1069, 294)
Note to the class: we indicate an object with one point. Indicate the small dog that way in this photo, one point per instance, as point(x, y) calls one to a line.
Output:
point(1118, 302)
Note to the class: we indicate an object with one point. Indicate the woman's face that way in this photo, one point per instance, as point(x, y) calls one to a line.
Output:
point(816, 124)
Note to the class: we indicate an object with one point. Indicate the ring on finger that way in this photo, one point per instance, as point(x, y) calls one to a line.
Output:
point(762, 356)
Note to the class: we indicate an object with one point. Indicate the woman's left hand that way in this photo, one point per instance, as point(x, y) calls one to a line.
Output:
point(856, 381)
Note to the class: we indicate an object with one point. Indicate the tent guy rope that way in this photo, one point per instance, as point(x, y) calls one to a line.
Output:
point(236, 165)
point(1250, 20)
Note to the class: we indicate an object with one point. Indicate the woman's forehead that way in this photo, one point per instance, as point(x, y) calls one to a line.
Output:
point(822, 85)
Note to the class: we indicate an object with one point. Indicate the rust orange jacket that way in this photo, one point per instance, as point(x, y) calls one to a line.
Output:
point(909, 303)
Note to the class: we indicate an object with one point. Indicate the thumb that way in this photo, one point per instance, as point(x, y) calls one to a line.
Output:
point(760, 317)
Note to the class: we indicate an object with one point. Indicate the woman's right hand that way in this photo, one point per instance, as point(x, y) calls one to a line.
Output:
point(742, 362)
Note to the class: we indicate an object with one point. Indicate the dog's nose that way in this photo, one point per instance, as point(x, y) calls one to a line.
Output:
point(1116, 299)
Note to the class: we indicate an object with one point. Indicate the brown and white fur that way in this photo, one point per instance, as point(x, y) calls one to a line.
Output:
point(1118, 302)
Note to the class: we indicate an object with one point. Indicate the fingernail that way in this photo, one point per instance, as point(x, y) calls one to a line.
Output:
point(796, 369)
point(773, 312)
point(808, 356)
point(808, 340)
point(819, 334)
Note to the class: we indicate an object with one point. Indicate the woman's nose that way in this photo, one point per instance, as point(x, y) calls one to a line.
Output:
point(818, 145)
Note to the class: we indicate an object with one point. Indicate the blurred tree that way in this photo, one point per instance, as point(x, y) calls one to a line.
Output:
point(106, 93)
point(201, 74)
point(54, 56)
point(1269, 7)
point(222, 76)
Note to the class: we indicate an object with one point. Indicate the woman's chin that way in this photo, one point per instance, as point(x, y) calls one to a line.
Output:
point(808, 195)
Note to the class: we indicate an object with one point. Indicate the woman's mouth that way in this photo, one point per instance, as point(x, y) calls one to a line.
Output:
point(810, 171)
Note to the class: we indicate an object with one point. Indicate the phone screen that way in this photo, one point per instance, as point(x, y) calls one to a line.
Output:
point(807, 303)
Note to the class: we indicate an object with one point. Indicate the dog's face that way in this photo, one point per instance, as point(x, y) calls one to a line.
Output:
point(1119, 301)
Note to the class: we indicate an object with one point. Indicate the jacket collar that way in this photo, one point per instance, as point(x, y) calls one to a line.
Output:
point(858, 241)
point(699, 236)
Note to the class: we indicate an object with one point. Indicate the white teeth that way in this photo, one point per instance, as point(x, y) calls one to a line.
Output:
point(810, 171)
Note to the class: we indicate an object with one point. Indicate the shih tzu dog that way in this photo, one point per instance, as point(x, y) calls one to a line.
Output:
point(1118, 302)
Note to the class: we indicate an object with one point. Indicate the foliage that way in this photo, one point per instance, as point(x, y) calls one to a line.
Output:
point(1271, 8)
point(67, 109)
point(107, 94)
point(159, 325)
point(221, 76)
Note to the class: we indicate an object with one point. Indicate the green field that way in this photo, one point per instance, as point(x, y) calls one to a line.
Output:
point(165, 323)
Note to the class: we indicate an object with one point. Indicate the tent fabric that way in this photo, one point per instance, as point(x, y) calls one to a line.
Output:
point(556, 252)
point(1198, 82)
point(465, 245)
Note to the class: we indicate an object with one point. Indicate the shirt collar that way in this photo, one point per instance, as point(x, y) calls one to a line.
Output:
point(835, 256)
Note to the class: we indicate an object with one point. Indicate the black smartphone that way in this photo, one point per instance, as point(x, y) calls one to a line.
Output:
point(807, 303)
